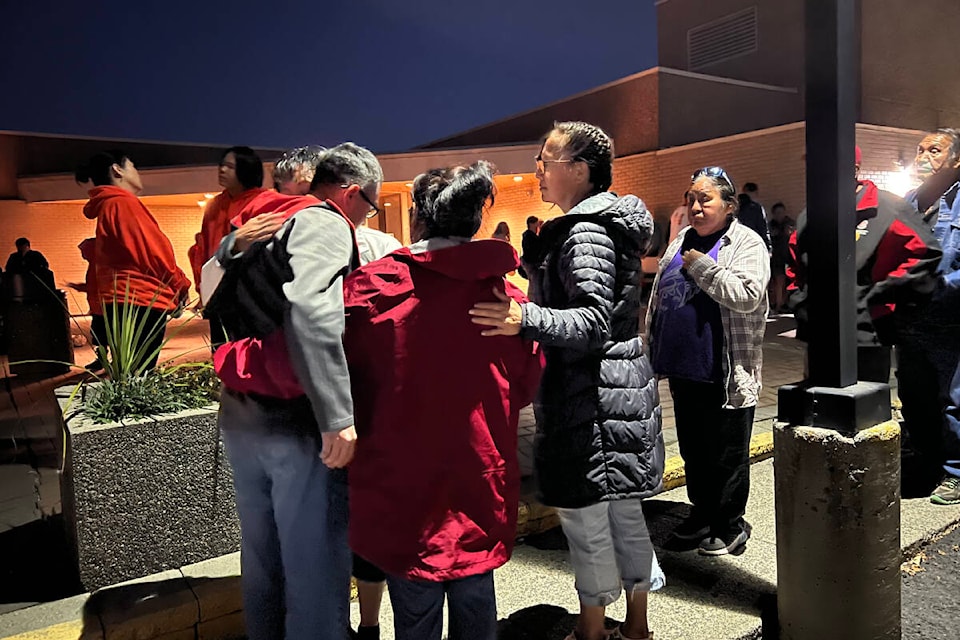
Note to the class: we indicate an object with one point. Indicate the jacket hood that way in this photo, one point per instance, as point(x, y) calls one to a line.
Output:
point(627, 213)
point(99, 196)
point(477, 260)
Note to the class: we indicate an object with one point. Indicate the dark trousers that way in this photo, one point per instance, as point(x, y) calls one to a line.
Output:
point(217, 335)
point(152, 324)
point(98, 330)
point(418, 608)
point(715, 446)
point(927, 359)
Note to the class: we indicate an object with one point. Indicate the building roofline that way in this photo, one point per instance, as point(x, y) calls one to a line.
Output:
point(541, 107)
point(731, 81)
point(651, 71)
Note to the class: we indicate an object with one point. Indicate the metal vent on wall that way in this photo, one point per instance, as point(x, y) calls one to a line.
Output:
point(720, 40)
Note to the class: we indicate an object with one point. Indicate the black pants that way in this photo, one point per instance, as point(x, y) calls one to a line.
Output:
point(153, 324)
point(217, 335)
point(98, 330)
point(715, 445)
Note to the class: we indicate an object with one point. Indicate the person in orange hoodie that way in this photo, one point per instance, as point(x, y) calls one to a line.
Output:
point(241, 176)
point(135, 263)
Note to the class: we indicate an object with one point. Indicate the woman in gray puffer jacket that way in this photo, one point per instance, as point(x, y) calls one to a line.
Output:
point(599, 447)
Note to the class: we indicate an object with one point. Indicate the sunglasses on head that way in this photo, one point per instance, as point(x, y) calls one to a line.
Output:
point(717, 173)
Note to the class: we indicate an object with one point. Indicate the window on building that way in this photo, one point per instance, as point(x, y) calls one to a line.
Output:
point(723, 39)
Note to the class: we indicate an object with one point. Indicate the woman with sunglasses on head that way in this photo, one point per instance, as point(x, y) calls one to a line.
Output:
point(706, 319)
point(599, 449)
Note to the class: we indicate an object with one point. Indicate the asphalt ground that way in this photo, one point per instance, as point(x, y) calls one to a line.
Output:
point(930, 600)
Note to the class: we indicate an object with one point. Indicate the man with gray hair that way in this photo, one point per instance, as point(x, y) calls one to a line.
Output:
point(293, 171)
point(286, 412)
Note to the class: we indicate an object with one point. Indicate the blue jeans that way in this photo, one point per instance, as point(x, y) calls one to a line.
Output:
point(952, 436)
point(418, 608)
point(294, 558)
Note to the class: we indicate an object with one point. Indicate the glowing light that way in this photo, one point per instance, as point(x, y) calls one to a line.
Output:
point(901, 181)
point(518, 178)
point(408, 185)
point(201, 203)
point(388, 204)
point(209, 196)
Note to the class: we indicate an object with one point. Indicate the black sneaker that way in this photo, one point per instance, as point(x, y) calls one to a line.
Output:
point(948, 492)
point(691, 529)
point(721, 546)
point(96, 365)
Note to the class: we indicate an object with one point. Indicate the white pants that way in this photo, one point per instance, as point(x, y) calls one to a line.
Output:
point(610, 549)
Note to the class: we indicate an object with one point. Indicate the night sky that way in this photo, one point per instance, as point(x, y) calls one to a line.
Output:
point(389, 74)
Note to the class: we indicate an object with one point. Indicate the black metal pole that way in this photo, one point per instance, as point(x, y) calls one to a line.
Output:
point(831, 102)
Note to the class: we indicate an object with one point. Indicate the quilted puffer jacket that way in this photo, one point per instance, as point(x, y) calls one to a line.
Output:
point(598, 409)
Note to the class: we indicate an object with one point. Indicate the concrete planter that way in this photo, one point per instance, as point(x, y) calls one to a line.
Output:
point(144, 496)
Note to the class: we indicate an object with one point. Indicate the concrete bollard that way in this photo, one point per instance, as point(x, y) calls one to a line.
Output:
point(838, 532)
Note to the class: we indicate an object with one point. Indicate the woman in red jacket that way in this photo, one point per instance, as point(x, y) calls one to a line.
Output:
point(240, 173)
point(135, 264)
point(435, 482)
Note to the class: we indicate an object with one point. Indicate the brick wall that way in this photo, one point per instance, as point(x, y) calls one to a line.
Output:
point(55, 229)
point(773, 158)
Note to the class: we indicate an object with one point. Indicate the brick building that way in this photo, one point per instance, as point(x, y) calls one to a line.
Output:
point(728, 91)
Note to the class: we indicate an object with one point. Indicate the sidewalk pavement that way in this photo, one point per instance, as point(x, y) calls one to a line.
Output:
point(716, 598)
point(705, 598)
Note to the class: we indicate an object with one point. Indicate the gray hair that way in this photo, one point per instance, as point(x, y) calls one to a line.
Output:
point(297, 164)
point(348, 163)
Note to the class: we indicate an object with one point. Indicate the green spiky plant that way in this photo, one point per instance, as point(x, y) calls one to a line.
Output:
point(128, 387)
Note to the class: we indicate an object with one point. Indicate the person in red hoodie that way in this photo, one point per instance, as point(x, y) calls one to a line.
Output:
point(240, 173)
point(135, 263)
point(434, 492)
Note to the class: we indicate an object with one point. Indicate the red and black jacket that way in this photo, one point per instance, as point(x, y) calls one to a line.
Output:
point(896, 261)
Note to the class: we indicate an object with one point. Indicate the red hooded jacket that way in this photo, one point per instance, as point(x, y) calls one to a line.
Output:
point(435, 481)
point(254, 365)
point(132, 252)
point(216, 223)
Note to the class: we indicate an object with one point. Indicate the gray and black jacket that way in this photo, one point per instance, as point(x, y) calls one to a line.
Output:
point(598, 413)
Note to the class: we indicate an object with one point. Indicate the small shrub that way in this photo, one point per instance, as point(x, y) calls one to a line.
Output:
point(165, 390)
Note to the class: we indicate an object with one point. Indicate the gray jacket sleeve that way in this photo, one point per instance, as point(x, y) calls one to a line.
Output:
point(225, 252)
point(588, 271)
point(321, 247)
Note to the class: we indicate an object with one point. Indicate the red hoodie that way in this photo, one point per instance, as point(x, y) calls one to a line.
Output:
point(216, 223)
point(435, 482)
point(132, 252)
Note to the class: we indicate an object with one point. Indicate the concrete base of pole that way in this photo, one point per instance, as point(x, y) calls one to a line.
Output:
point(838, 532)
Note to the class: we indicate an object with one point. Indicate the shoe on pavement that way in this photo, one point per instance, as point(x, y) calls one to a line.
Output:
point(618, 635)
point(691, 530)
point(721, 546)
point(948, 492)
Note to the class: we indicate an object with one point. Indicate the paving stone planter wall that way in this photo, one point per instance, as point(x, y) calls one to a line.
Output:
point(146, 496)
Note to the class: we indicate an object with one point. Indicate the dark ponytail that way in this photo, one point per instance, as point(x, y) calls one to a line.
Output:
point(450, 201)
point(97, 169)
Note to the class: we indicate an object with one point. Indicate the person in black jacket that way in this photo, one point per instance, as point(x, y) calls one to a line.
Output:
point(751, 213)
point(530, 244)
point(599, 448)
point(896, 261)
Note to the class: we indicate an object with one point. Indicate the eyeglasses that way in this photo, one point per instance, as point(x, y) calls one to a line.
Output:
point(541, 163)
point(374, 209)
point(713, 172)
